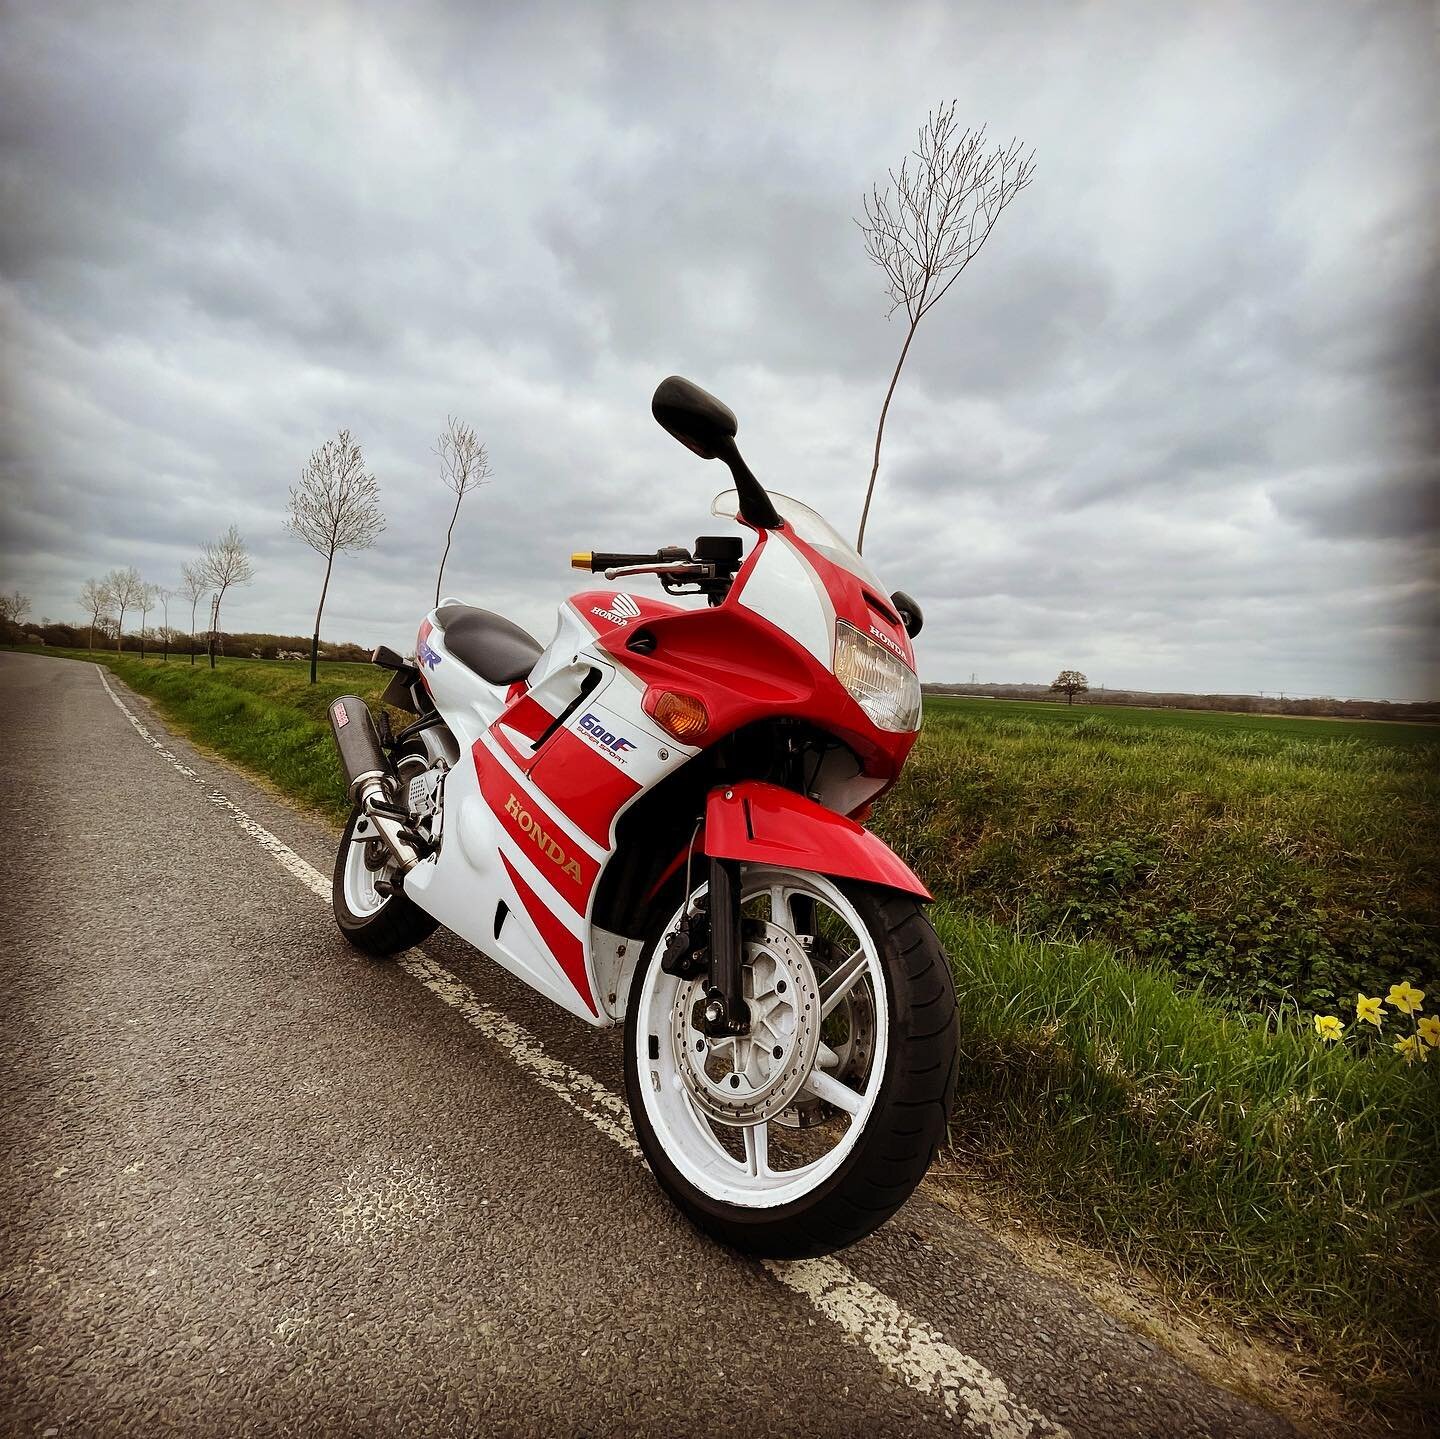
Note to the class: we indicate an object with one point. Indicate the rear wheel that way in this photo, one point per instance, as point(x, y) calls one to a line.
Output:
point(372, 920)
point(811, 1130)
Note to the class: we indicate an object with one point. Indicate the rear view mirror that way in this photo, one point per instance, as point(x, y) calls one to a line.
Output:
point(696, 418)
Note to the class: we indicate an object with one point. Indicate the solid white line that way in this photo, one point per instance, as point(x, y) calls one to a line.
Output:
point(908, 1347)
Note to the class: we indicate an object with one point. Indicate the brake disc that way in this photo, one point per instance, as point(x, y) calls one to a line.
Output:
point(746, 1079)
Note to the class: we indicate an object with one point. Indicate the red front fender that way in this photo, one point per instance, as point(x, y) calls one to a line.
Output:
point(764, 824)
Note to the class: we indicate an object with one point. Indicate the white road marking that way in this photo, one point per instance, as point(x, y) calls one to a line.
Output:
point(907, 1346)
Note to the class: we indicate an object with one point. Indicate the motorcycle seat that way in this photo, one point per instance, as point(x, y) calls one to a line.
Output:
point(497, 649)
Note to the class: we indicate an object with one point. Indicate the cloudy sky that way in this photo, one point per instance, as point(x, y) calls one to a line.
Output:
point(1175, 427)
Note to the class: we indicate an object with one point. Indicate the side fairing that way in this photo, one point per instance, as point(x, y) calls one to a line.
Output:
point(531, 809)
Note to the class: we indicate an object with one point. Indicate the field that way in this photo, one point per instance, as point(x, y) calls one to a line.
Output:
point(1143, 910)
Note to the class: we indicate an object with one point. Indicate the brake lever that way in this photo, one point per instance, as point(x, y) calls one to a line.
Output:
point(688, 571)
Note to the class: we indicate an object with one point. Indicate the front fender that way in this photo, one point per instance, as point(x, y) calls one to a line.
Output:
point(764, 824)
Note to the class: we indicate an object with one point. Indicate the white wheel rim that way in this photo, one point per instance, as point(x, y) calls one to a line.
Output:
point(690, 1139)
point(362, 899)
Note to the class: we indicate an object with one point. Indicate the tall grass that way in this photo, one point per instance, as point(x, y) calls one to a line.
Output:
point(1239, 1154)
point(1265, 866)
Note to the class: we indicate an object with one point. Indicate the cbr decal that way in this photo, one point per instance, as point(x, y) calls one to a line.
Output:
point(426, 655)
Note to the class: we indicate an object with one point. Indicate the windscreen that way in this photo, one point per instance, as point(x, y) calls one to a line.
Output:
point(813, 528)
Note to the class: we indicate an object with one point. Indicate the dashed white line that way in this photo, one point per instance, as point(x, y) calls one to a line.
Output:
point(907, 1346)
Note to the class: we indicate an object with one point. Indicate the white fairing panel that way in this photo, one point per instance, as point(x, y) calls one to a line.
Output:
point(783, 589)
point(467, 883)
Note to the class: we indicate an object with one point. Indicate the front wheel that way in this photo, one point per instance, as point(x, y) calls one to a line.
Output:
point(812, 1129)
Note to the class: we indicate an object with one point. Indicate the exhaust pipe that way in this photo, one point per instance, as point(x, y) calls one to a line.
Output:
point(363, 761)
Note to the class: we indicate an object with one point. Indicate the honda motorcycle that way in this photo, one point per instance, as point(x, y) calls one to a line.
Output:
point(656, 819)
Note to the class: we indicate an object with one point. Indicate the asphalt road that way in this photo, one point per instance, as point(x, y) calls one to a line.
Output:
point(256, 1184)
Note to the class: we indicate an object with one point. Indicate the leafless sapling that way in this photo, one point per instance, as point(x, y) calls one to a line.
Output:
point(194, 582)
point(95, 601)
point(930, 221)
point(464, 466)
point(335, 507)
point(124, 587)
point(227, 562)
point(148, 596)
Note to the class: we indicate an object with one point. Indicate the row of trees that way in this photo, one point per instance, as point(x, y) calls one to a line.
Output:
point(335, 507)
point(222, 565)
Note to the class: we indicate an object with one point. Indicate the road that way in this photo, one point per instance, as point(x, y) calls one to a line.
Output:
point(257, 1184)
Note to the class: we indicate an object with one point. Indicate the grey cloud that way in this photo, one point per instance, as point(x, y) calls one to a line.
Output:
point(1173, 425)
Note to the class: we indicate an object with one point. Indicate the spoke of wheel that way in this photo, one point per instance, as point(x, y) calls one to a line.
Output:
point(826, 1087)
point(839, 983)
point(826, 1057)
point(757, 1149)
point(779, 908)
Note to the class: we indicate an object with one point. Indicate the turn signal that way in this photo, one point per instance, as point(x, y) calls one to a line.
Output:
point(681, 716)
point(580, 560)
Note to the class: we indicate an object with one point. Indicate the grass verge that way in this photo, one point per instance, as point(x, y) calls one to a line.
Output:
point(1296, 1185)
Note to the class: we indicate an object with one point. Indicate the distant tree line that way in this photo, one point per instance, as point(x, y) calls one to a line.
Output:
point(1323, 708)
point(334, 508)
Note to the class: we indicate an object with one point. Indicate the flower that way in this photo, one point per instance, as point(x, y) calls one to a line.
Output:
point(1327, 1026)
point(1430, 1030)
point(1404, 998)
point(1411, 1048)
point(1368, 1009)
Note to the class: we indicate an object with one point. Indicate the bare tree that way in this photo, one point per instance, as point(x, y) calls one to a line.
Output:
point(14, 607)
point(227, 562)
point(1070, 683)
point(148, 596)
point(163, 595)
point(335, 507)
point(464, 466)
point(194, 582)
point(124, 587)
point(95, 600)
point(930, 222)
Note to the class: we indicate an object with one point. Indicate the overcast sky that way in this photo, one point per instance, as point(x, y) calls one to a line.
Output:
point(1175, 427)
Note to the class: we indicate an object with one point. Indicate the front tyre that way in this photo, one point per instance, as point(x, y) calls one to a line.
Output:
point(804, 1135)
point(377, 923)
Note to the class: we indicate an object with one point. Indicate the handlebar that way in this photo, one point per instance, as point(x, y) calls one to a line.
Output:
point(597, 561)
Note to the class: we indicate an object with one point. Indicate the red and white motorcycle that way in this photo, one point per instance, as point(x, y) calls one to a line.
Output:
point(656, 819)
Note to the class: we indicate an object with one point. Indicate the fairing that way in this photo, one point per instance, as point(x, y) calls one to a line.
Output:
point(549, 767)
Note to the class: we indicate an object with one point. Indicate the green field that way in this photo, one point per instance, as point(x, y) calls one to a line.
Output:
point(1266, 861)
point(1142, 908)
point(1384, 732)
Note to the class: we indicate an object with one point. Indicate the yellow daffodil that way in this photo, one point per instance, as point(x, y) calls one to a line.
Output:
point(1327, 1026)
point(1405, 997)
point(1430, 1030)
point(1368, 1009)
point(1411, 1048)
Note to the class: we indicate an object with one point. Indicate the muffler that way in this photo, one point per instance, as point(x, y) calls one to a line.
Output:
point(363, 761)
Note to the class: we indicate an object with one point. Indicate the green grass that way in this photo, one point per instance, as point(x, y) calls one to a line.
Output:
point(1283, 727)
point(1265, 861)
point(1167, 1114)
point(1295, 1183)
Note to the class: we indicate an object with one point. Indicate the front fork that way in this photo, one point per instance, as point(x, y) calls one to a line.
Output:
point(725, 1011)
point(708, 940)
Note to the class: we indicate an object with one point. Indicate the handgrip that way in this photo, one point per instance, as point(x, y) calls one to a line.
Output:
point(597, 560)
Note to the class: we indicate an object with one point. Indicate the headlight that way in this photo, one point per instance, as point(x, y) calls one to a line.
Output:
point(882, 684)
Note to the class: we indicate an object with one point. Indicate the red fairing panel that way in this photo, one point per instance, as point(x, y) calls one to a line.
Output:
point(764, 824)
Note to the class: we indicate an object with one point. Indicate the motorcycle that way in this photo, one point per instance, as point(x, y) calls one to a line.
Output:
point(656, 820)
